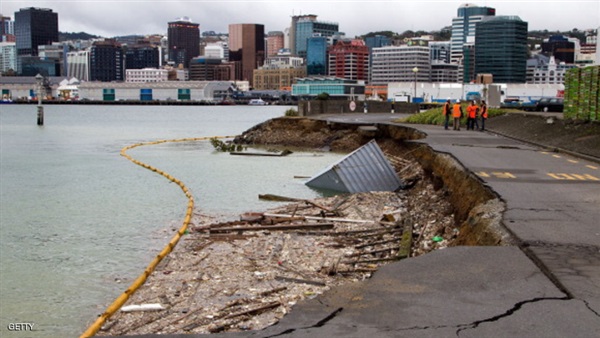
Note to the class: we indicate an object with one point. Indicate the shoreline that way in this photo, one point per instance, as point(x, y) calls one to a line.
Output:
point(193, 274)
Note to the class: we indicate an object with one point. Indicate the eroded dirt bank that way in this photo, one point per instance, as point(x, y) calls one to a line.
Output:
point(246, 274)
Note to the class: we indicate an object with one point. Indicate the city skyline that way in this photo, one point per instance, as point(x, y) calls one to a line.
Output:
point(354, 17)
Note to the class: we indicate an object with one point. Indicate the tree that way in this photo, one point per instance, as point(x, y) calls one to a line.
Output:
point(323, 96)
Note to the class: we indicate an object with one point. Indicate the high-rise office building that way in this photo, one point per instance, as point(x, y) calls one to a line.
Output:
point(35, 27)
point(316, 56)
point(349, 59)
point(306, 26)
point(501, 49)
point(184, 41)
point(247, 49)
point(106, 61)
point(463, 28)
point(400, 64)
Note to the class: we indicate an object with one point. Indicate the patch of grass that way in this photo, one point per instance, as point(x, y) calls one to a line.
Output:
point(291, 112)
point(434, 116)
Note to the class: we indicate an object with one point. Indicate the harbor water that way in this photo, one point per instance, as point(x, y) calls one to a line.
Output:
point(78, 222)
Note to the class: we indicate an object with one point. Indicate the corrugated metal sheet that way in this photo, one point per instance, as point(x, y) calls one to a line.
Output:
point(365, 169)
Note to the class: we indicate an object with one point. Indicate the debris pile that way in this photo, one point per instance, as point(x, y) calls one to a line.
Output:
point(247, 274)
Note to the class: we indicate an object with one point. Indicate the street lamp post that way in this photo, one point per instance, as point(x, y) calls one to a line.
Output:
point(415, 70)
point(40, 109)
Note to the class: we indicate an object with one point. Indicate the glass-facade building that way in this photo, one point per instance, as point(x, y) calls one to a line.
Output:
point(333, 86)
point(316, 56)
point(306, 28)
point(377, 41)
point(463, 27)
point(35, 27)
point(501, 49)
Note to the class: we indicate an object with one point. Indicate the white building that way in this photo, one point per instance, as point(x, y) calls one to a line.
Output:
point(400, 64)
point(8, 56)
point(214, 51)
point(284, 61)
point(78, 65)
point(146, 75)
point(152, 91)
point(552, 73)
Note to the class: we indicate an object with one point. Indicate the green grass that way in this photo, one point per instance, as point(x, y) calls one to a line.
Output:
point(434, 116)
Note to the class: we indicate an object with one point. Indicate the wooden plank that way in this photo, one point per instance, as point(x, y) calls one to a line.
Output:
point(328, 219)
point(276, 227)
point(300, 281)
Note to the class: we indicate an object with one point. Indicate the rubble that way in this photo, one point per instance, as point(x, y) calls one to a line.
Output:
point(247, 274)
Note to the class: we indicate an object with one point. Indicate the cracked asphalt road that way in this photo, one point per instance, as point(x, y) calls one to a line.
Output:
point(548, 286)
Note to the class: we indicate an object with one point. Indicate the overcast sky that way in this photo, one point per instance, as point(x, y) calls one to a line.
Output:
point(124, 17)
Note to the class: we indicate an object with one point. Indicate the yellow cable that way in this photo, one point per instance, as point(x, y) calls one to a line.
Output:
point(118, 303)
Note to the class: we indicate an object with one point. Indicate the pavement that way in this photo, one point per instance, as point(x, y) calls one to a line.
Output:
point(547, 286)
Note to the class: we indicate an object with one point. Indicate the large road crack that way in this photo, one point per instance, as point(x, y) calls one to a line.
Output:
point(318, 324)
point(508, 313)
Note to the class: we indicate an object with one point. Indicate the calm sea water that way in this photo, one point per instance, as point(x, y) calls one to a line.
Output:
point(78, 222)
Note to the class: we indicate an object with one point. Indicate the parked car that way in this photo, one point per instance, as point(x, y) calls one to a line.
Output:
point(553, 104)
point(517, 103)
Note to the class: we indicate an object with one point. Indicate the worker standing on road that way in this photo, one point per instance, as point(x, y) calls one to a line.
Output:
point(446, 111)
point(471, 115)
point(457, 113)
point(484, 114)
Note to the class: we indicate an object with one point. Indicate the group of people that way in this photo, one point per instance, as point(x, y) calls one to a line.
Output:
point(474, 114)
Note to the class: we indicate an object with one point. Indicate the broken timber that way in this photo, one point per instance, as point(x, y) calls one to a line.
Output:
point(276, 227)
point(280, 154)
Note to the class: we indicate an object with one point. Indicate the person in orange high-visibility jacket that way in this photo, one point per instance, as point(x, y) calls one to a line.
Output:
point(484, 114)
point(457, 113)
point(471, 115)
point(446, 110)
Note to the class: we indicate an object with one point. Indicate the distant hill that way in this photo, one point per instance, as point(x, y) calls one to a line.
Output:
point(65, 36)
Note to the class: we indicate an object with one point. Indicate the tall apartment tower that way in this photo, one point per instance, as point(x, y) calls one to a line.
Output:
point(306, 26)
point(349, 59)
point(501, 49)
point(184, 41)
point(247, 49)
point(463, 28)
